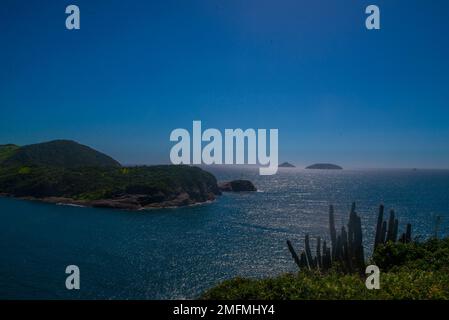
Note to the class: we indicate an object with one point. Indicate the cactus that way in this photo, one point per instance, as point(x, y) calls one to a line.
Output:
point(294, 255)
point(395, 230)
point(309, 252)
point(303, 261)
point(326, 259)
point(345, 255)
point(408, 233)
point(332, 230)
point(347, 246)
point(358, 240)
point(336, 252)
point(390, 231)
point(383, 234)
point(380, 219)
point(353, 208)
point(354, 255)
point(319, 262)
point(351, 234)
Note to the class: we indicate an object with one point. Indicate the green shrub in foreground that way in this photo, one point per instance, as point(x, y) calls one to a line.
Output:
point(432, 254)
point(409, 271)
point(404, 284)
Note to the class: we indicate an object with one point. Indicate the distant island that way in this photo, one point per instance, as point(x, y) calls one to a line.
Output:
point(66, 172)
point(286, 165)
point(327, 166)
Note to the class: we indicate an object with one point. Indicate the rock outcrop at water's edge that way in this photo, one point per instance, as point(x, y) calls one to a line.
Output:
point(132, 201)
point(237, 186)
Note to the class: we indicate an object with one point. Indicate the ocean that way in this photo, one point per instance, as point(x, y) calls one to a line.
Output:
point(179, 253)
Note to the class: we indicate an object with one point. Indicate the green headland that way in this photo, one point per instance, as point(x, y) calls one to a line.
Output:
point(67, 172)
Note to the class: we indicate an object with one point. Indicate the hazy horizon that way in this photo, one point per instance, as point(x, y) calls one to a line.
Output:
point(298, 164)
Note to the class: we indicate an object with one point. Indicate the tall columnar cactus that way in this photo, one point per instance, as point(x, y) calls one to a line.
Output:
point(395, 230)
point(383, 235)
point(408, 233)
point(326, 258)
point(304, 264)
point(347, 245)
point(294, 255)
point(390, 231)
point(332, 230)
point(345, 256)
point(359, 253)
point(380, 219)
point(353, 207)
point(351, 233)
point(319, 261)
point(338, 249)
point(309, 252)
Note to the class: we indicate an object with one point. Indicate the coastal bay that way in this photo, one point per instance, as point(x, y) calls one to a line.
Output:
point(124, 255)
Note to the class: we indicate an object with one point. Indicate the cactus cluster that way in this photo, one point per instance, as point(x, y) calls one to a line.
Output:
point(346, 249)
point(389, 232)
point(349, 250)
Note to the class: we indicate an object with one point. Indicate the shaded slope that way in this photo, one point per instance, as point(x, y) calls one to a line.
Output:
point(59, 153)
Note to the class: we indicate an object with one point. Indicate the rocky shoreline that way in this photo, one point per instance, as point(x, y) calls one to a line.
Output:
point(137, 202)
point(124, 202)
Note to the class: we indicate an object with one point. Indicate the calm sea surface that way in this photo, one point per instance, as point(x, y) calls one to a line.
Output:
point(178, 253)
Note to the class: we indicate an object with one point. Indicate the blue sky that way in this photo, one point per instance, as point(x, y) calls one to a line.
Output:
point(139, 69)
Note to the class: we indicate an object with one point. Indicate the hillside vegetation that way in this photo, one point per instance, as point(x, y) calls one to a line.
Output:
point(90, 183)
point(7, 150)
point(408, 271)
point(57, 153)
point(67, 172)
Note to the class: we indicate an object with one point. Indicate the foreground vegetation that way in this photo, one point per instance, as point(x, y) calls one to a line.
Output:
point(408, 271)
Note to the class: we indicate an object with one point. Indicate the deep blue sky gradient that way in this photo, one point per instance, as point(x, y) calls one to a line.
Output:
point(139, 69)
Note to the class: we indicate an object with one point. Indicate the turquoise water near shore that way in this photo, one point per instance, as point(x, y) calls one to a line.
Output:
point(178, 253)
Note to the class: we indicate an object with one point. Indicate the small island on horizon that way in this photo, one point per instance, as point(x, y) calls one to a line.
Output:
point(324, 166)
point(286, 165)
